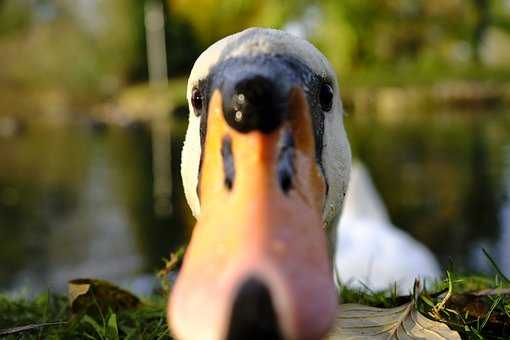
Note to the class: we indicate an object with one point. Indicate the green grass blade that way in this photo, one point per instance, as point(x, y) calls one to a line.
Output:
point(495, 266)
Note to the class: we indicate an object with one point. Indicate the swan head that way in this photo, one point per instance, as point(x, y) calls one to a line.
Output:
point(265, 167)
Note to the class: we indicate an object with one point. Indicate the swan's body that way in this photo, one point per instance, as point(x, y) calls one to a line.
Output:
point(371, 252)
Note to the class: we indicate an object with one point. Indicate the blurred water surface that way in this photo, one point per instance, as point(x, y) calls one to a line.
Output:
point(444, 177)
point(77, 200)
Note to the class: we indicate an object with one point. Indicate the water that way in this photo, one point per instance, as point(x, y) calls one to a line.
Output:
point(442, 176)
point(503, 245)
point(77, 201)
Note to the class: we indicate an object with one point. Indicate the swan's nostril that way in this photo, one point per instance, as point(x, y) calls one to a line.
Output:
point(228, 162)
point(285, 168)
point(253, 316)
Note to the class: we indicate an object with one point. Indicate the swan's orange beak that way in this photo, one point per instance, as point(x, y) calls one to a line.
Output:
point(257, 265)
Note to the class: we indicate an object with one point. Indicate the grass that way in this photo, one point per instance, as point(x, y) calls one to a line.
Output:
point(478, 307)
point(49, 317)
point(484, 315)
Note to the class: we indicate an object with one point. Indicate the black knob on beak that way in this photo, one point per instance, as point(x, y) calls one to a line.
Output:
point(255, 103)
point(253, 315)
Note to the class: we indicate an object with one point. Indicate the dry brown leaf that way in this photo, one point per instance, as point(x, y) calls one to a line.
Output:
point(99, 295)
point(76, 288)
point(403, 323)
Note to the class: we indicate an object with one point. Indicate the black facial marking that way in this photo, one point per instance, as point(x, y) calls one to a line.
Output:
point(285, 168)
point(228, 162)
point(256, 104)
point(310, 82)
point(204, 87)
point(285, 71)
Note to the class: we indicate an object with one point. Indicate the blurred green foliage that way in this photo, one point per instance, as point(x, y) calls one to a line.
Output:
point(362, 34)
point(66, 52)
point(55, 56)
point(213, 19)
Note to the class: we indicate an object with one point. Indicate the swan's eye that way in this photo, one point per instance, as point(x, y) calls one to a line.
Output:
point(326, 97)
point(197, 100)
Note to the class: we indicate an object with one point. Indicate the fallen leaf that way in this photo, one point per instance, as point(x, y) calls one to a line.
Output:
point(86, 295)
point(77, 288)
point(404, 322)
point(482, 305)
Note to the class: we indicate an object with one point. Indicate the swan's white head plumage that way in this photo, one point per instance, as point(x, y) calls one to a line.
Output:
point(336, 156)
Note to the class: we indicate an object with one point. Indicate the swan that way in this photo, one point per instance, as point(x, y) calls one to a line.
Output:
point(371, 252)
point(265, 168)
